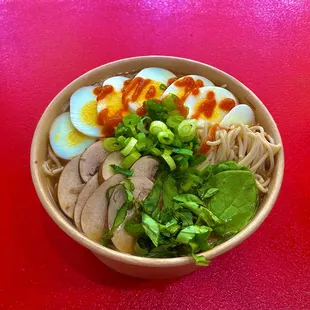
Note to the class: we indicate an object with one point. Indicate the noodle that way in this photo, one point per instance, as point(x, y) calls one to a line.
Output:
point(52, 165)
point(248, 146)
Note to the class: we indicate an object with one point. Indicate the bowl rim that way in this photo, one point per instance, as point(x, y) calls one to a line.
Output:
point(95, 247)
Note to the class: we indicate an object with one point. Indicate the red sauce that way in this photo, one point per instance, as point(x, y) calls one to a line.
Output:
point(191, 86)
point(187, 81)
point(142, 110)
point(227, 104)
point(181, 107)
point(141, 85)
point(195, 91)
point(109, 122)
point(151, 92)
point(207, 106)
point(97, 90)
point(199, 83)
point(127, 82)
point(137, 84)
point(102, 91)
point(204, 147)
point(172, 80)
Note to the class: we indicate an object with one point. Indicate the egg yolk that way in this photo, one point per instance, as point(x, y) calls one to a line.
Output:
point(113, 101)
point(75, 137)
point(209, 109)
point(150, 91)
point(89, 113)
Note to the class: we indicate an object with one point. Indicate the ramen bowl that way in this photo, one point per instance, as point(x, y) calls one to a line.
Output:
point(141, 267)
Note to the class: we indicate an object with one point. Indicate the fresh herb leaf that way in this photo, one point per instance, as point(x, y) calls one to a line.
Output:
point(210, 193)
point(227, 166)
point(134, 228)
point(151, 201)
point(187, 234)
point(196, 160)
point(169, 191)
point(165, 250)
point(203, 213)
point(139, 250)
point(200, 260)
point(156, 111)
point(185, 216)
point(120, 216)
point(188, 198)
point(171, 228)
point(119, 169)
point(236, 201)
point(151, 228)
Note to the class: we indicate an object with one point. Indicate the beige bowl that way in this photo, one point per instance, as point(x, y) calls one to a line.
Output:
point(150, 268)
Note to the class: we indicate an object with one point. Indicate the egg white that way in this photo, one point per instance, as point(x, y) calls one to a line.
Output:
point(83, 111)
point(240, 114)
point(157, 76)
point(113, 101)
point(66, 141)
point(179, 91)
point(193, 101)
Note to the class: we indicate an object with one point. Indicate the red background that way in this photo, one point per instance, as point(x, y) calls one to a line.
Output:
point(45, 45)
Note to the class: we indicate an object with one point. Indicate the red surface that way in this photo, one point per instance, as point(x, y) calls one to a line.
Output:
point(44, 46)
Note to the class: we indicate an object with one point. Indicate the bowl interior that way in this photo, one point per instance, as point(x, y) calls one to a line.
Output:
point(176, 65)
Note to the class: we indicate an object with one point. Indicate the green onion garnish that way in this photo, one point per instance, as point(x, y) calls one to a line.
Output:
point(130, 159)
point(183, 151)
point(111, 144)
point(174, 121)
point(187, 130)
point(119, 169)
point(129, 146)
point(141, 145)
point(169, 102)
point(157, 127)
point(131, 120)
point(165, 137)
point(162, 87)
point(155, 151)
point(168, 159)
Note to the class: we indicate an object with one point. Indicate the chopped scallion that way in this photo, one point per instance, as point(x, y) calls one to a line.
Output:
point(129, 160)
point(157, 127)
point(187, 130)
point(165, 137)
point(111, 144)
point(129, 146)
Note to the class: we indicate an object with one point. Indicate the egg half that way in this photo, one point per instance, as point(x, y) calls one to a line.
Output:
point(150, 81)
point(179, 91)
point(83, 111)
point(211, 104)
point(113, 100)
point(66, 141)
point(240, 114)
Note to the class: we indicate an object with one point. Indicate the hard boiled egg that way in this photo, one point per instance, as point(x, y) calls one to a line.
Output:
point(240, 114)
point(113, 100)
point(150, 80)
point(179, 90)
point(211, 104)
point(66, 141)
point(83, 111)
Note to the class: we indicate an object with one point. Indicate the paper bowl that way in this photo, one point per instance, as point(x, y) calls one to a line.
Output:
point(150, 268)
